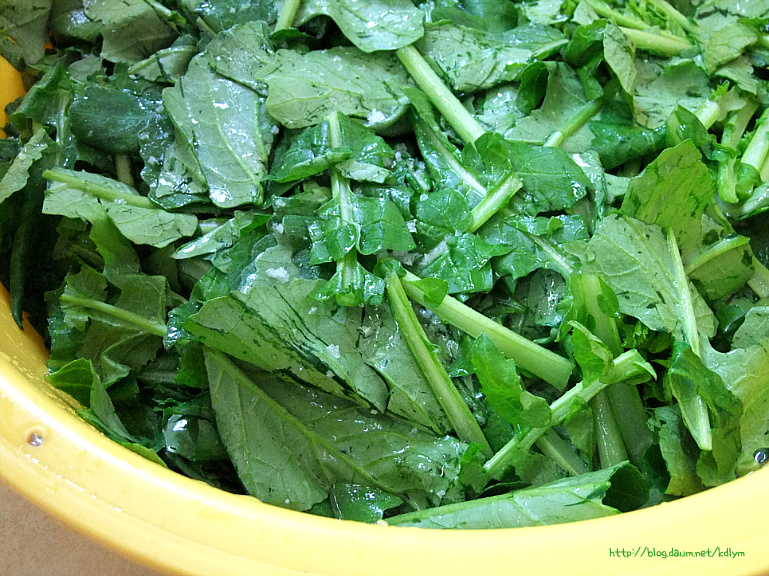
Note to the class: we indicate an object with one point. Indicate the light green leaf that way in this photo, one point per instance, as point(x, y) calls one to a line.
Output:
point(229, 129)
point(673, 192)
point(589, 495)
point(18, 172)
point(371, 25)
point(93, 197)
point(25, 23)
point(677, 448)
point(727, 44)
point(471, 59)
point(619, 53)
point(131, 29)
point(305, 88)
point(635, 261)
point(745, 371)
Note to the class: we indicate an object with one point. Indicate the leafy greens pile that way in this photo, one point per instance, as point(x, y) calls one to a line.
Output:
point(459, 263)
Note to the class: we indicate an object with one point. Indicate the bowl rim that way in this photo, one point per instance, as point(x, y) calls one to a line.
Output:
point(177, 525)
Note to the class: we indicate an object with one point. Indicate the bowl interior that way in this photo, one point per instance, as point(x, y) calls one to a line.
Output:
point(181, 526)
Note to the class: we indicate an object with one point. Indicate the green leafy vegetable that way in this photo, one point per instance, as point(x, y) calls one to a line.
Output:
point(590, 495)
point(454, 264)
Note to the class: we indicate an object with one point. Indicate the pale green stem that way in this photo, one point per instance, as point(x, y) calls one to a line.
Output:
point(618, 18)
point(459, 415)
point(758, 147)
point(203, 25)
point(666, 45)
point(123, 169)
point(140, 322)
point(630, 414)
point(611, 449)
point(555, 448)
point(536, 359)
point(103, 192)
point(497, 198)
point(287, 14)
point(442, 98)
point(719, 248)
point(585, 113)
point(526, 438)
point(672, 13)
point(341, 192)
point(627, 416)
point(455, 165)
point(708, 113)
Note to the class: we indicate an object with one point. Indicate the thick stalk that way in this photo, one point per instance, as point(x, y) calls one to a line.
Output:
point(174, 19)
point(672, 13)
point(625, 423)
point(667, 45)
point(758, 147)
point(737, 124)
point(439, 94)
point(708, 112)
point(559, 410)
point(602, 9)
point(287, 14)
point(459, 415)
point(123, 169)
point(629, 411)
point(536, 359)
point(608, 438)
point(555, 448)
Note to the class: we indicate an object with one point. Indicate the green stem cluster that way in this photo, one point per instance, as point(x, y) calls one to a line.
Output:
point(459, 415)
point(620, 421)
point(442, 98)
point(538, 360)
point(527, 436)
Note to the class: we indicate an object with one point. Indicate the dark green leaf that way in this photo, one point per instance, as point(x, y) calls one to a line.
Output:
point(304, 89)
point(108, 119)
point(291, 445)
point(23, 29)
point(229, 130)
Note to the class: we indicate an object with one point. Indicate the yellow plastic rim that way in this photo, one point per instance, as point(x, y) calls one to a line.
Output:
point(176, 525)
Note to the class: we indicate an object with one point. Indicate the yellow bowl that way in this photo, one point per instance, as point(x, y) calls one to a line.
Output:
point(176, 525)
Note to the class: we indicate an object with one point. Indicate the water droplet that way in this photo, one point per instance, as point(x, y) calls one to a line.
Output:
point(34, 439)
point(761, 456)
